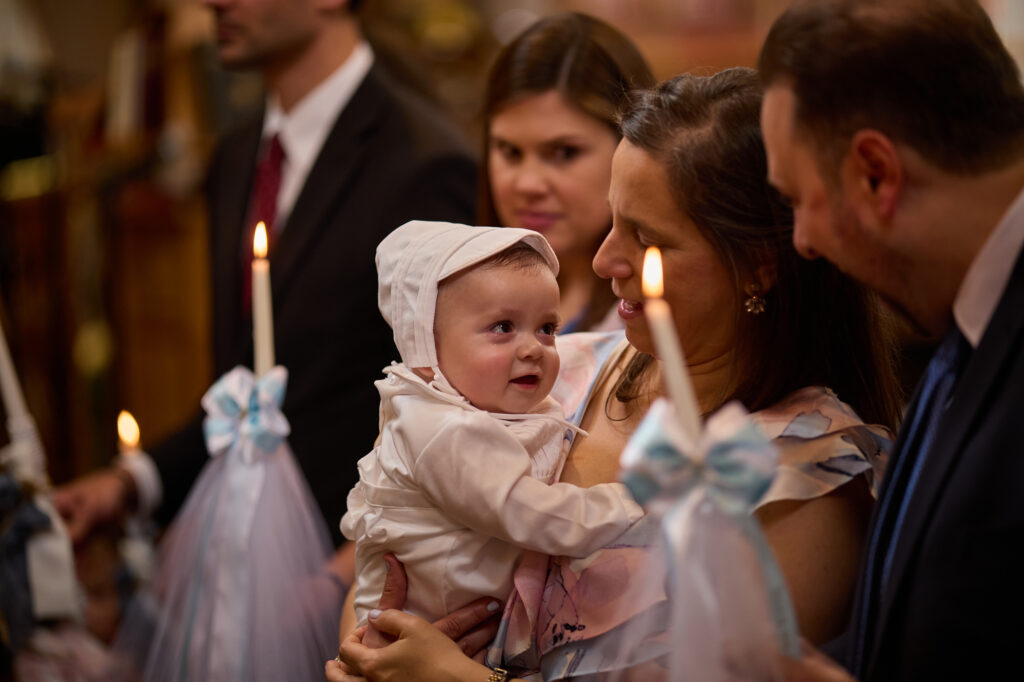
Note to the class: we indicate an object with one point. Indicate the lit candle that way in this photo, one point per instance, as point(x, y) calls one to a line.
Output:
point(127, 433)
point(136, 546)
point(666, 342)
point(262, 309)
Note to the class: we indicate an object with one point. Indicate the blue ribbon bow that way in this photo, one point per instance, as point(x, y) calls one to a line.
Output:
point(734, 462)
point(240, 408)
point(734, 459)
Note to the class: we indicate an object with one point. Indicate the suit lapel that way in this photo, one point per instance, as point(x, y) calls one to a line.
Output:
point(982, 370)
point(343, 153)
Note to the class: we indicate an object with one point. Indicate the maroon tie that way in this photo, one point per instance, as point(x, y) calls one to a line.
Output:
point(262, 206)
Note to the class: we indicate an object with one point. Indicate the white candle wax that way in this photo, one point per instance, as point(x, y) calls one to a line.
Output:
point(10, 388)
point(262, 306)
point(262, 317)
point(673, 366)
point(666, 342)
point(25, 449)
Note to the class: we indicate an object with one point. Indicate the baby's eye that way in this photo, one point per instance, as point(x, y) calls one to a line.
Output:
point(503, 327)
point(549, 329)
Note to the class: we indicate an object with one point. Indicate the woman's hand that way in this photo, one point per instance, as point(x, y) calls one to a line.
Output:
point(420, 651)
point(472, 627)
point(336, 671)
point(467, 631)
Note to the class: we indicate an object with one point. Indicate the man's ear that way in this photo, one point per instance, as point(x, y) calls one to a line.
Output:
point(874, 173)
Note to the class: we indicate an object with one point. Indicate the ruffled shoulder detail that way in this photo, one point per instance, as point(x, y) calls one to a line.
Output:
point(822, 445)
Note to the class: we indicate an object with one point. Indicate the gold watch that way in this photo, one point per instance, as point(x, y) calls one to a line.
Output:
point(498, 675)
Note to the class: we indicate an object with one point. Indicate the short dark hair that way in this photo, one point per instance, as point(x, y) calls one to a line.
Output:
point(819, 327)
point(932, 74)
point(592, 65)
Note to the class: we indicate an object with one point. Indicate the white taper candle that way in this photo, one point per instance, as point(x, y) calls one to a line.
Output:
point(262, 305)
point(666, 342)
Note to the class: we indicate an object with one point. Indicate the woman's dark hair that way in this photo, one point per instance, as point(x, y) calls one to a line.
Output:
point(592, 65)
point(819, 327)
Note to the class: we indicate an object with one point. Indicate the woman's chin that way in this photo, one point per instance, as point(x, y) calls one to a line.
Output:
point(639, 336)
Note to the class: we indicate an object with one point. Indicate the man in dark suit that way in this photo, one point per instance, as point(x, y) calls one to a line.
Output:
point(356, 156)
point(897, 129)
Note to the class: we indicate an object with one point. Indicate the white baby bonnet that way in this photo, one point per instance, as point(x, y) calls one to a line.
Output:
point(416, 256)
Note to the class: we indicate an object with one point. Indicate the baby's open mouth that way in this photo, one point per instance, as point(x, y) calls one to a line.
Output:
point(526, 380)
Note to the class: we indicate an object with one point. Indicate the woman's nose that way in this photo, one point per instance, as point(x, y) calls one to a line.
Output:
point(610, 261)
point(530, 178)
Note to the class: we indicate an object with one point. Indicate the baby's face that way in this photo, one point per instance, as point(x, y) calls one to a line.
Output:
point(495, 335)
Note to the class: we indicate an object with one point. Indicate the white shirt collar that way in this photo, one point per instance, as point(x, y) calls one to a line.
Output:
point(986, 279)
point(303, 130)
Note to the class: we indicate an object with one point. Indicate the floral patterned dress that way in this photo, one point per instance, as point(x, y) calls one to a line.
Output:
point(565, 617)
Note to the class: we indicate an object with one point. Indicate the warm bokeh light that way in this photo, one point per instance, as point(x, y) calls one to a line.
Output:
point(259, 241)
point(128, 429)
point(652, 278)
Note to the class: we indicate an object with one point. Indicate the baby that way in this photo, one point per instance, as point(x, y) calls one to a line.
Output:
point(462, 477)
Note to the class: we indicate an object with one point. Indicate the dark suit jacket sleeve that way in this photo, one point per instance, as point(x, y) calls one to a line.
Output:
point(179, 458)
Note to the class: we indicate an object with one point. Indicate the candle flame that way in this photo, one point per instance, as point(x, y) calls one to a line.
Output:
point(653, 284)
point(259, 241)
point(128, 429)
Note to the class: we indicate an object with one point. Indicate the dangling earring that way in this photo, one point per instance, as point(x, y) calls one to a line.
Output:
point(755, 303)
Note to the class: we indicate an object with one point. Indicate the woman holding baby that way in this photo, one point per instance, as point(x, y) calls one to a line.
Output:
point(806, 351)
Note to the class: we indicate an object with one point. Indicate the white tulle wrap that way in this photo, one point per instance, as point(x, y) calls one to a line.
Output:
point(731, 616)
point(241, 591)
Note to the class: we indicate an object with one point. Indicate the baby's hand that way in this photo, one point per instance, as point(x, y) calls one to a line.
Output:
point(396, 585)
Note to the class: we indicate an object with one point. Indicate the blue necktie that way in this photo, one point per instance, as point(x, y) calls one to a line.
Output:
point(936, 393)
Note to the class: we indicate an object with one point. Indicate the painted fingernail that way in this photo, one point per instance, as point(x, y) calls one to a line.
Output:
point(493, 606)
point(375, 614)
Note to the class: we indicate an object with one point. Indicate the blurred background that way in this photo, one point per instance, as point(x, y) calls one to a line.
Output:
point(108, 111)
